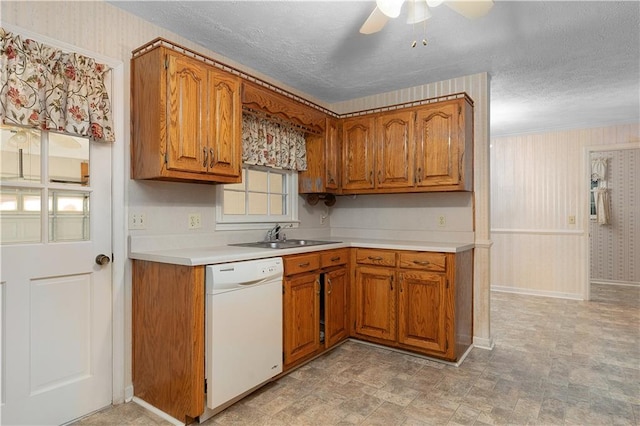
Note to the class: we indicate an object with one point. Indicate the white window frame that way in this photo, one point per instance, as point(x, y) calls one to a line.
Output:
point(237, 222)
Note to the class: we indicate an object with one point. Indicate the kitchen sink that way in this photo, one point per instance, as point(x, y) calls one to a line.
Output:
point(283, 244)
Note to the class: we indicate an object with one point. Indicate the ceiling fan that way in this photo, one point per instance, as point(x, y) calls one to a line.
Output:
point(419, 11)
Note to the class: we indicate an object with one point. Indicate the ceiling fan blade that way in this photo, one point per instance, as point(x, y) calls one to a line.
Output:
point(374, 23)
point(471, 9)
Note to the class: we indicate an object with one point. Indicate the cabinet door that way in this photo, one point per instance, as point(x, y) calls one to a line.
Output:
point(438, 131)
point(332, 155)
point(187, 114)
point(423, 310)
point(395, 150)
point(301, 317)
point(358, 153)
point(335, 322)
point(225, 124)
point(376, 302)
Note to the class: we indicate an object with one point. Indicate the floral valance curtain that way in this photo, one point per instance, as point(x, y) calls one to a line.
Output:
point(268, 143)
point(45, 88)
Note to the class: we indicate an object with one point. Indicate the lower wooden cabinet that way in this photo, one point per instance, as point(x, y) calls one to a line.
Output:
point(315, 303)
point(168, 337)
point(301, 317)
point(417, 301)
point(375, 302)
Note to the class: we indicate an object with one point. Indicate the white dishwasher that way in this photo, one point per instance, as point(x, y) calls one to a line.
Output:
point(243, 329)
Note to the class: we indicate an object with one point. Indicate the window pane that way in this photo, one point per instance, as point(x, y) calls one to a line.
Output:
point(19, 154)
point(68, 159)
point(257, 204)
point(20, 225)
point(257, 181)
point(237, 186)
point(276, 182)
point(234, 203)
point(277, 204)
point(69, 216)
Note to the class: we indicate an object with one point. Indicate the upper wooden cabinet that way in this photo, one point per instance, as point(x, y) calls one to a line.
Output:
point(395, 150)
point(444, 148)
point(417, 149)
point(358, 154)
point(186, 119)
point(323, 161)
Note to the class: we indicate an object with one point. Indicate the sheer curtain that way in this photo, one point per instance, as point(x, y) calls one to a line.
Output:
point(48, 89)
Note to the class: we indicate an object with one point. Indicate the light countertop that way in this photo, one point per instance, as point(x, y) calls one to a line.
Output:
point(224, 254)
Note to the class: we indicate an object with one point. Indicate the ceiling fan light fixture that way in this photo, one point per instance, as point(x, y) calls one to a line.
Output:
point(390, 8)
point(418, 11)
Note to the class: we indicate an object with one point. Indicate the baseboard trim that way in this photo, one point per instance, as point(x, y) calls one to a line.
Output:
point(482, 343)
point(621, 283)
point(531, 292)
point(157, 411)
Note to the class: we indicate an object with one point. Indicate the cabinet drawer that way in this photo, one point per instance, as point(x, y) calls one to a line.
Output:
point(301, 263)
point(334, 258)
point(424, 260)
point(376, 257)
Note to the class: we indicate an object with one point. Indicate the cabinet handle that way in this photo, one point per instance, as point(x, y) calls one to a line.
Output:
point(401, 283)
point(335, 258)
point(374, 258)
point(213, 158)
point(391, 283)
point(317, 284)
point(371, 177)
point(303, 265)
point(206, 154)
point(379, 176)
point(330, 178)
point(419, 176)
point(421, 262)
point(330, 286)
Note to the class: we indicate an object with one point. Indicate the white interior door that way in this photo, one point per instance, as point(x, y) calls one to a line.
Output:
point(56, 300)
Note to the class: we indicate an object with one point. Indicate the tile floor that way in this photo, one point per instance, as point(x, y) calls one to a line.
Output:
point(555, 362)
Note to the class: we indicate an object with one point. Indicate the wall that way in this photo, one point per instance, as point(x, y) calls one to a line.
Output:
point(615, 248)
point(538, 182)
point(102, 28)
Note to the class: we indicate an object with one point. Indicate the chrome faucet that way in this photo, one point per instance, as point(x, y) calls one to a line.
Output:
point(273, 234)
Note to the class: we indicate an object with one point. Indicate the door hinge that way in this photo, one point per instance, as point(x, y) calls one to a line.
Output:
point(205, 385)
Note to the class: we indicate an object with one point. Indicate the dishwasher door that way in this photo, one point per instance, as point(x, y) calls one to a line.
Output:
point(243, 339)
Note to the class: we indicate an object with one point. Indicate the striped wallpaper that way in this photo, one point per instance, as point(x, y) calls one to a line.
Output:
point(537, 185)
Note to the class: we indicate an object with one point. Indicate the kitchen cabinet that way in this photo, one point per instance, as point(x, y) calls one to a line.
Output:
point(417, 301)
point(186, 119)
point(168, 337)
point(315, 306)
point(323, 165)
point(358, 154)
point(444, 148)
point(415, 149)
point(395, 147)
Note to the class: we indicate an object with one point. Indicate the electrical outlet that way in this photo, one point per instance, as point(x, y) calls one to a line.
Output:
point(442, 220)
point(572, 220)
point(195, 221)
point(137, 221)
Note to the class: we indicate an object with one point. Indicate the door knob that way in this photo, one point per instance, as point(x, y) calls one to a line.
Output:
point(102, 259)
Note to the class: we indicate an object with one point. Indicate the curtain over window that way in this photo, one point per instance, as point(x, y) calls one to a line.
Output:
point(45, 88)
point(269, 143)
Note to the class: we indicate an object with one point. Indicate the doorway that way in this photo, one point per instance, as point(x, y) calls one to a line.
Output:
point(613, 228)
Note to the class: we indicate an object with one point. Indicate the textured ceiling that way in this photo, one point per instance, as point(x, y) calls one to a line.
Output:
point(552, 64)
